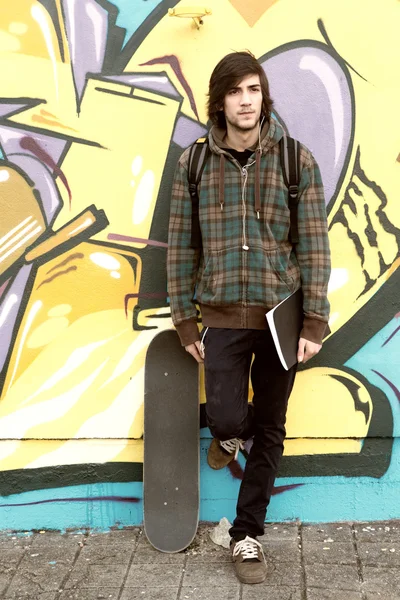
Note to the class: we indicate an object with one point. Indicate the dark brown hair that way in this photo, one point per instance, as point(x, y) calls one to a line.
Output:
point(227, 74)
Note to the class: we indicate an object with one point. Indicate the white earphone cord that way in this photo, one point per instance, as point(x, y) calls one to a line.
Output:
point(245, 246)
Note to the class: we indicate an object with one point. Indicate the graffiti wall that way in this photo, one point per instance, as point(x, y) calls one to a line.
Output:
point(98, 100)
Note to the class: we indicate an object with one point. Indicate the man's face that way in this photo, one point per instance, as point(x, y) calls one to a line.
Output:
point(242, 104)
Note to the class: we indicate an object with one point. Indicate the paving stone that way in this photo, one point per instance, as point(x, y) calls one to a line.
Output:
point(203, 549)
point(258, 592)
point(126, 537)
point(36, 567)
point(284, 574)
point(13, 540)
point(280, 531)
point(100, 554)
point(11, 558)
point(145, 553)
point(144, 544)
point(34, 596)
point(209, 574)
point(210, 553)
point(155, 557)
point(282, 551)
point(339, 532)
point(10, 541)
point(382, 580)
point(333, 577)
point(42, 569)
point(379, 595)
point(387, 531)
point(54, 538)
point(49, 554)
point(95, 576)
point(209, 593)
point(36, 581)
point(105, 593)
point(329, 552)
point(379, 553)
point(154, 575)
point(5, 579)
point(148, 593)
point(317, 594)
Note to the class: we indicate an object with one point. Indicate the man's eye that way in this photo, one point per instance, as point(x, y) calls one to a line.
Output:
point(232, 92)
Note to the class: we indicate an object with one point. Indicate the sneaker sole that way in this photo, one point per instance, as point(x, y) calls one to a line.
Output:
point(251, 580)
point(218, 467)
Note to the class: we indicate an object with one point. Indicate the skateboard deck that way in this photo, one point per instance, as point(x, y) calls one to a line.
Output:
point(171, 444)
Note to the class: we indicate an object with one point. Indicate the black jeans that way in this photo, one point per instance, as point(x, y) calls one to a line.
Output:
point(228, 356)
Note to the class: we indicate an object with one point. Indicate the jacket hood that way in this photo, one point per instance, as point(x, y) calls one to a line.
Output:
point(271, 133)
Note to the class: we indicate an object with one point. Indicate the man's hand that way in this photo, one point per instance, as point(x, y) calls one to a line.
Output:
point(194, 350)
point(307, 350)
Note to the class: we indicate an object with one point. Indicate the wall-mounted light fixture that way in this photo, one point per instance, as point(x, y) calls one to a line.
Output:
point(191, 12)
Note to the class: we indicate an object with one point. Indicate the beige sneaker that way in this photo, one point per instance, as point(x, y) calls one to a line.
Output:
point(221, 453)
point(248, 557)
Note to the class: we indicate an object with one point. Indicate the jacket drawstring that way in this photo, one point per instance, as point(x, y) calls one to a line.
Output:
point(257, 184)
point(221, 181)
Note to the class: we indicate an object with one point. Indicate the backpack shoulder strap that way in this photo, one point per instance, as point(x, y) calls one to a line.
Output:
point(198, 156)
point(290, 163)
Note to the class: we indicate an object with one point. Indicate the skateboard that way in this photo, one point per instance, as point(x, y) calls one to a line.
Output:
point(171, 444)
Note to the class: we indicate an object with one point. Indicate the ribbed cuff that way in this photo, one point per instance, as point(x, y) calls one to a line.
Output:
point(188, 332)
point(314, 330)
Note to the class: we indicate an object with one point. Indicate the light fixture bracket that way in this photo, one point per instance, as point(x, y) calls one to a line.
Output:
point(196, 13)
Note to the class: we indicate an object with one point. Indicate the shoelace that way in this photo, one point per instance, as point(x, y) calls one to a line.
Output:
point(233, 445)
point(248, 548)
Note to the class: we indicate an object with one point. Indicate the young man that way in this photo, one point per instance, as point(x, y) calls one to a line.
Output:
point(246, 266)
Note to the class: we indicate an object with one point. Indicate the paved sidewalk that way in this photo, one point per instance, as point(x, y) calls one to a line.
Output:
point(338, 561)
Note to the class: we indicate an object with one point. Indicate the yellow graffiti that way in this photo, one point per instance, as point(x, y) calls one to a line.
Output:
point(75, 375)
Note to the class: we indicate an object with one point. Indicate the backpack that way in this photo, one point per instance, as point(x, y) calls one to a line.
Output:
point(290, 164)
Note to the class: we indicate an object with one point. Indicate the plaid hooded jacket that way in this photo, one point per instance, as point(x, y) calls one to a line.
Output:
point(247, 264)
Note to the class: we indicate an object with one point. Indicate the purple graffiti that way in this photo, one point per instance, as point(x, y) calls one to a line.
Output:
point(117, 237)
point(86, 26)
point(129, 499)
point(28, 143)
point(235, 469)
point(10, 304)
point(321, 115)
point(9, 108)
point(285, 488)
point(3, 287)
point(187, 131)
point(393, 333)
point(237, 473)
point(173, 61)
point(154, 82)
point(390, 384)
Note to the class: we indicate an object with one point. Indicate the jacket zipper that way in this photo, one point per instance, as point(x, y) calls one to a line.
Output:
point(244, 246)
